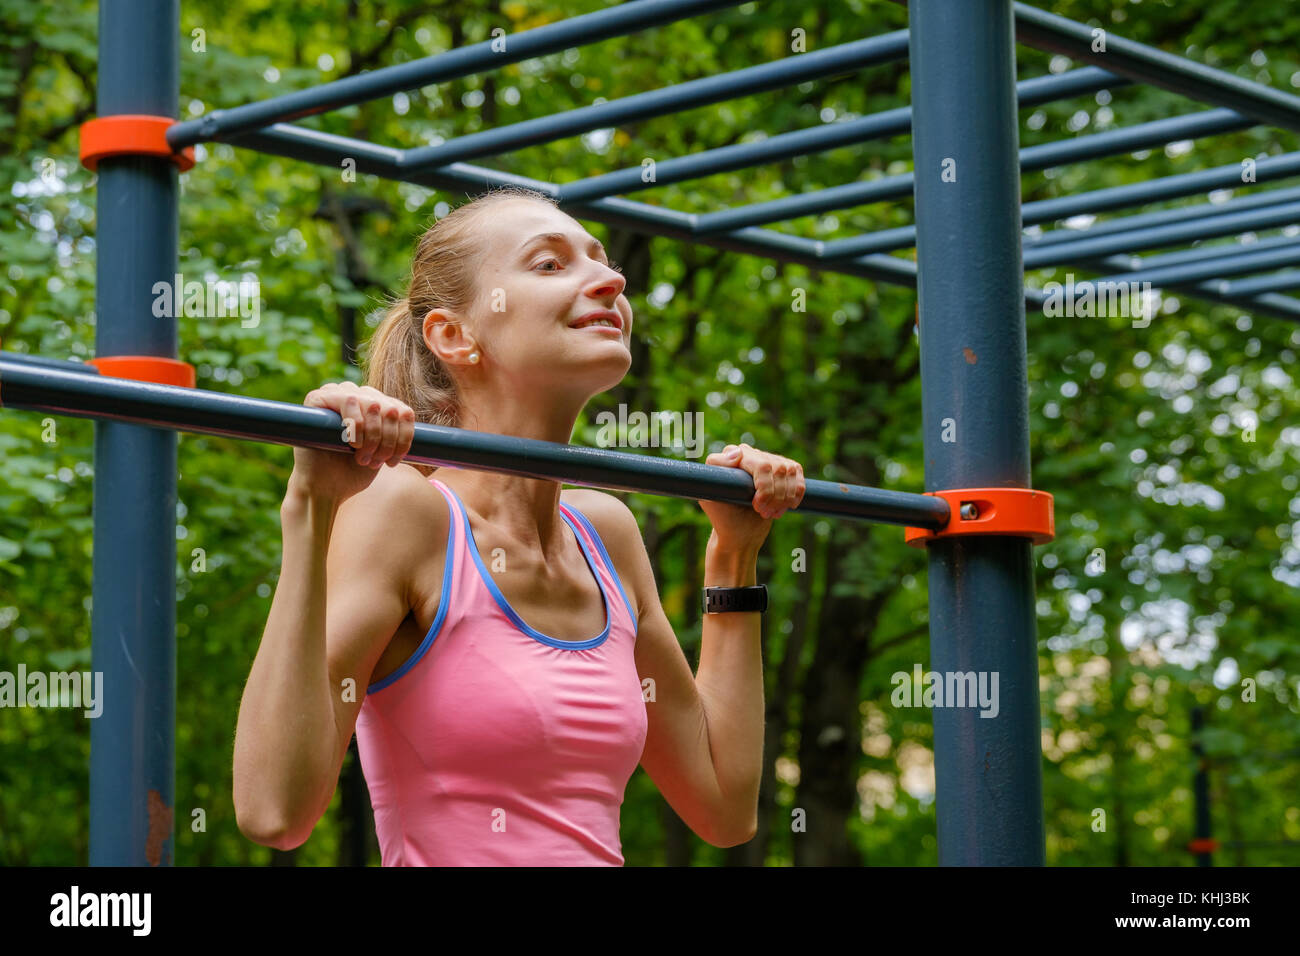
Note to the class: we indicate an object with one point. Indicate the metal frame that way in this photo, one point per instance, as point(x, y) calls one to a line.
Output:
point(968, 235)
point(67, 389)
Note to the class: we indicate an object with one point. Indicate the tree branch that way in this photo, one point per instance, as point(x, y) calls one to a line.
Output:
point(903, 638)
point(82, 112)
point(371, 57)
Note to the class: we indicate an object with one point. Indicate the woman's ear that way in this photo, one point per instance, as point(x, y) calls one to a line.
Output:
point(439, 326)
point(445, 335)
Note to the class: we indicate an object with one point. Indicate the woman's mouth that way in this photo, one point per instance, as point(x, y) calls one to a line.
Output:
point(601, 319)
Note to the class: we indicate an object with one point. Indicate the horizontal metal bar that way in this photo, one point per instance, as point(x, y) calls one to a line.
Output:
point(1165, 217)
point(326, 149)
point(65, 392)
point(1146, 64)
point(1236, 265)
point(1128, 138)
point(724, 159)
point(1217, 250)
point(1157, 190)
point(1271, 304)
point(1278, 282)
point(1042, 156)
point(779, 74)
point(41, 361)
point(1097, 201)
point(1173, 234)
point(616, 20)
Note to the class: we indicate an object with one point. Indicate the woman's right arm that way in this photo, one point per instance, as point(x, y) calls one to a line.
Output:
point(341, 595)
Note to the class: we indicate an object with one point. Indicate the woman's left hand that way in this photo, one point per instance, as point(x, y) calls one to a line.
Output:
point(778, 487)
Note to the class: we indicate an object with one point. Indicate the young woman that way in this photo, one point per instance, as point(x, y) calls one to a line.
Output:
point(497, 645)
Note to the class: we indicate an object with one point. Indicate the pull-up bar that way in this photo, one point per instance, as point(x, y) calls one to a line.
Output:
point(79, 390)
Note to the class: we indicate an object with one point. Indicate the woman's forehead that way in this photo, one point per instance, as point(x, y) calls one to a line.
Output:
point(523, 225)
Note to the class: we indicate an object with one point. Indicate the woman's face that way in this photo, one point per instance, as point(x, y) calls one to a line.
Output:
point(542, 274)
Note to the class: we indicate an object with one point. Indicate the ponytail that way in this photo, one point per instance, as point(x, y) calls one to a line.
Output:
point(398, 363)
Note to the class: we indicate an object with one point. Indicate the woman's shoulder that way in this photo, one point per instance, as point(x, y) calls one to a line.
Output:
point(617, 528)
point(400, 505)
point(606, 512)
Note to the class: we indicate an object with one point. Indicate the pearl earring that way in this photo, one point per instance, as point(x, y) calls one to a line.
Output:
point(473, 357)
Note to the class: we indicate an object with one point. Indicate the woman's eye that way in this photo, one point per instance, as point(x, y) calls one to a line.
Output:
point(544, 261)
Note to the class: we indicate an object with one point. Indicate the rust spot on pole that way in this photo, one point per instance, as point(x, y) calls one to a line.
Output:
point(160, 828)
point(971, 357)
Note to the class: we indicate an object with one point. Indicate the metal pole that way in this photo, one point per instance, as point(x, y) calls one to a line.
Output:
point(133, 617)
point(1259, 303)
point(1146, 64)
point(803, 142)
point(1092, 203)
point(1162, 237)
point(1203, 212)
point(1077, 150)
point(777, 74)
point(72, 392)
point(1237, 264)
point(616, 20)
point(1278, 282)
point(988, 770)
point(1213, 250)
point(328, 149)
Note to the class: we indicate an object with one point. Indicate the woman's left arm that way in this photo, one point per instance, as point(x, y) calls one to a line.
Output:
point(704, 742)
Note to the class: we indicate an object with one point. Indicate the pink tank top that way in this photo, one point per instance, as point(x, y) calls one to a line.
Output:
point(496, 744)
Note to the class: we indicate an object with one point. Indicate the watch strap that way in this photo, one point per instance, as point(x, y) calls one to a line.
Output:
point(742, 599)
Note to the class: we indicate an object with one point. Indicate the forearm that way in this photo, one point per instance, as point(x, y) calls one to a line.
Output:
point(286, 736)
point(730, 683)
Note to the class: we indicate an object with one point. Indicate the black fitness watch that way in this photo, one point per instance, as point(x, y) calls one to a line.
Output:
point(721, 600)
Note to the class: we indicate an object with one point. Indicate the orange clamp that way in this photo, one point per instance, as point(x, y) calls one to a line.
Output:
point(146, 368)
point(130, 134)
point(1018, 512)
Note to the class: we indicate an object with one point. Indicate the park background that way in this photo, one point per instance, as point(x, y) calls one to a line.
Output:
point(1142, 434)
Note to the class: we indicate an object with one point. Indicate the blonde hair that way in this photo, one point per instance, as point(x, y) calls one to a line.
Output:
point(396, 359)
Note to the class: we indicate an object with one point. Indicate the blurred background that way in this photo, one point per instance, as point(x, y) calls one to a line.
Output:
point(1170, 595)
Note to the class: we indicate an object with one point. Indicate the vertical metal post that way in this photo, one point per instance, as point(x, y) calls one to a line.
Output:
point(975, 415)
point(133, 617)
point(1201, 789)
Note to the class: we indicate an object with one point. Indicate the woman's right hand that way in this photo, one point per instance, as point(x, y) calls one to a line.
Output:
point(381, 430)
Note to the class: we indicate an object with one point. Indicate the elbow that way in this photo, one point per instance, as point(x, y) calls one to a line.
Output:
point(732, 835)
point(276, 834)
point(277, 838)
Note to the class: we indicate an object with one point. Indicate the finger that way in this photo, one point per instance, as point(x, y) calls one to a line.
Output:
point(323, 397)
point(780, 486)
point(350, 409)
point(372, 408)
point(764, 484)
point(727, 457)
point(388, 443)
point(405, 434)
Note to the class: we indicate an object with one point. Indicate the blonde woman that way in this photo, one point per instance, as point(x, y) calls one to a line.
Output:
point(496, 644)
